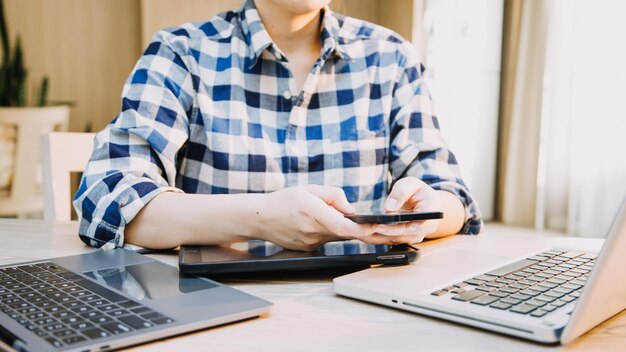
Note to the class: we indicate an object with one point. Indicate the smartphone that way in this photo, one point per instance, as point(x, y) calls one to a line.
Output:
point(393, 218)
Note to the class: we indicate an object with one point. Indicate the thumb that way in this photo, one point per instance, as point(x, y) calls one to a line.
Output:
point(333, 196)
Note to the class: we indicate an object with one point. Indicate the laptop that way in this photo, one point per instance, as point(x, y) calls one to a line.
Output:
point(106, 300)
point(508, 285)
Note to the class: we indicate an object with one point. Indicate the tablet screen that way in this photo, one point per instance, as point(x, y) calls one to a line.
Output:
point(259, 255)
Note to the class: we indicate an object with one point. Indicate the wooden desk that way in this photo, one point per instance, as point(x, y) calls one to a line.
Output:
point(308, 316)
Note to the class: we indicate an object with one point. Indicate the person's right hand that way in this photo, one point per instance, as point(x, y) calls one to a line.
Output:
point(304, 218)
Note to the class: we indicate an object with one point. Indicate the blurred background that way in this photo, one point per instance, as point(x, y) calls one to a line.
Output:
point(529, 93)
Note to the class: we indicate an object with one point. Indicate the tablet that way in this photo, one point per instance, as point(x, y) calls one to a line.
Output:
point(256, 255)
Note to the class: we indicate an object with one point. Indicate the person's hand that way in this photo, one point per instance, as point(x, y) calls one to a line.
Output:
point(411, 194)
point(305, 218)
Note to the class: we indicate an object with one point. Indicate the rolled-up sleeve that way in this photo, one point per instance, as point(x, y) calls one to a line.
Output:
point(417, 147)
point(134, 157)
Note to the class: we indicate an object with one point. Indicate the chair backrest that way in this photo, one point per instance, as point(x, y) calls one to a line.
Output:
point(25, 193)
point(62, 153)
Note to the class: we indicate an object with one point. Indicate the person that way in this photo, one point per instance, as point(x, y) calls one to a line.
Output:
point(272, 122)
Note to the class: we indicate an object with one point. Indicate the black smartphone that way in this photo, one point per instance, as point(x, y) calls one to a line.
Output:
point(393, 218)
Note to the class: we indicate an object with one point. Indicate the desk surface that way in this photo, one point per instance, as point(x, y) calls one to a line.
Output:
point(308, 315)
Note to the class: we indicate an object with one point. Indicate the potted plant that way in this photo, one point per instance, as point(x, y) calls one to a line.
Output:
point(22, 121)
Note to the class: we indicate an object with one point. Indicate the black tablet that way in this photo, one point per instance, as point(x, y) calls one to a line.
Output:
point(255, 256)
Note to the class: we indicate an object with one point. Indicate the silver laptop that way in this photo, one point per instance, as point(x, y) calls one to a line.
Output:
point(109, 299)
point(508, 285)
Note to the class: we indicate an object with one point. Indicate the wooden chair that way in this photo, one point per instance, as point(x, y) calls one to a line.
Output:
point(62, 154)
point(24, 196)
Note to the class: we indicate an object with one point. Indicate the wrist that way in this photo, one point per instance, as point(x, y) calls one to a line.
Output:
point(253, 218)
point(453, 215)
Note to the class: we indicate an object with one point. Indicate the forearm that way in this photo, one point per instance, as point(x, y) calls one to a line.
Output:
point(172, 219)
point(453, 215)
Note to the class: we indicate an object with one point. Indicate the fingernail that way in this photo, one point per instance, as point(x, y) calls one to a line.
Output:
point(381, 229)
point(391, 204)
point(413, 228)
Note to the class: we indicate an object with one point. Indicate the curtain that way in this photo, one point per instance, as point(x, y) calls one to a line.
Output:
point(562, 121)
point(524, 45)
point(582, 161)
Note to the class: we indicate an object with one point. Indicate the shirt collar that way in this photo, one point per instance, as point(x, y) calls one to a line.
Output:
point(258, 39)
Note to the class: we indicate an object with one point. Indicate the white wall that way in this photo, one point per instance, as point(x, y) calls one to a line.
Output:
point(463, 43)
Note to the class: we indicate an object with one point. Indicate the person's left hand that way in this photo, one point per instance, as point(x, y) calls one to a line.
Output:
point(414, 195)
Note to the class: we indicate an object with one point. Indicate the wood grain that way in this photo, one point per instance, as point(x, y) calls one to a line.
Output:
point(86, 47)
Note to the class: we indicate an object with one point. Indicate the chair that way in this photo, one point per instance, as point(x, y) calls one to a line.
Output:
point(62, 153)
point(24, 196)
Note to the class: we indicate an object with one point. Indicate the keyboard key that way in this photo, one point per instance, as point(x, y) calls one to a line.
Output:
point(155, 315)
point(140, 310)
point(457, 290)
point(73, 339)
point(495, 284)
point(556, 281)
point(116, 328)
point(63, 333)
point(520, 296)
point(555, 294)
point(538, 313)
point(95, 333)
point(71, 320)
point(120, 312)
point(484, 300)
point(128, 304)
point(100, 290)
point(485, 277)
point(54, 342)
point(523, 308)
point(465, 296)
point(510, 268)
point(162, 321)
point(529, 292)
point(135, 322)
point(569, 298)
point(101, 320)
point(500, 305)
point(542, 287)
point(536, 302)
point(537, 258)
point(82, 325)
point(549, 307)
point(545, 298)
point(499, 294)
point(508, 290)
point(474, 282)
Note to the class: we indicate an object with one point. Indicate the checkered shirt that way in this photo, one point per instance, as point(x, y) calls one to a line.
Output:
point(212, 108)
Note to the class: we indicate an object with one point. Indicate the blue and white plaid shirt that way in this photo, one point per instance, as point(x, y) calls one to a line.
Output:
point(211, 107)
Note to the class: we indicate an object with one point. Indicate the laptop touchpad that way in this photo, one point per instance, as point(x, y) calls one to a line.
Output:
point(151, 280)
point(460, 261)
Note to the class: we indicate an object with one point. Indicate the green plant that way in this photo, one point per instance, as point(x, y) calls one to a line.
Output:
point(13, 73)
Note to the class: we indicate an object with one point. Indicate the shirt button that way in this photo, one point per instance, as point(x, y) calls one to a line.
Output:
point(278, 56)
point(287, 94)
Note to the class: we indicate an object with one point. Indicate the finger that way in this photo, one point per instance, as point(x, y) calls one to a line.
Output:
point(402, 191)
point(389, 240)
point(333, 196)
point(414, 228)
point(334, 221)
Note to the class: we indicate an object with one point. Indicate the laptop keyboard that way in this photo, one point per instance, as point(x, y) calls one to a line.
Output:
point(535, 286)
point(65, 309)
